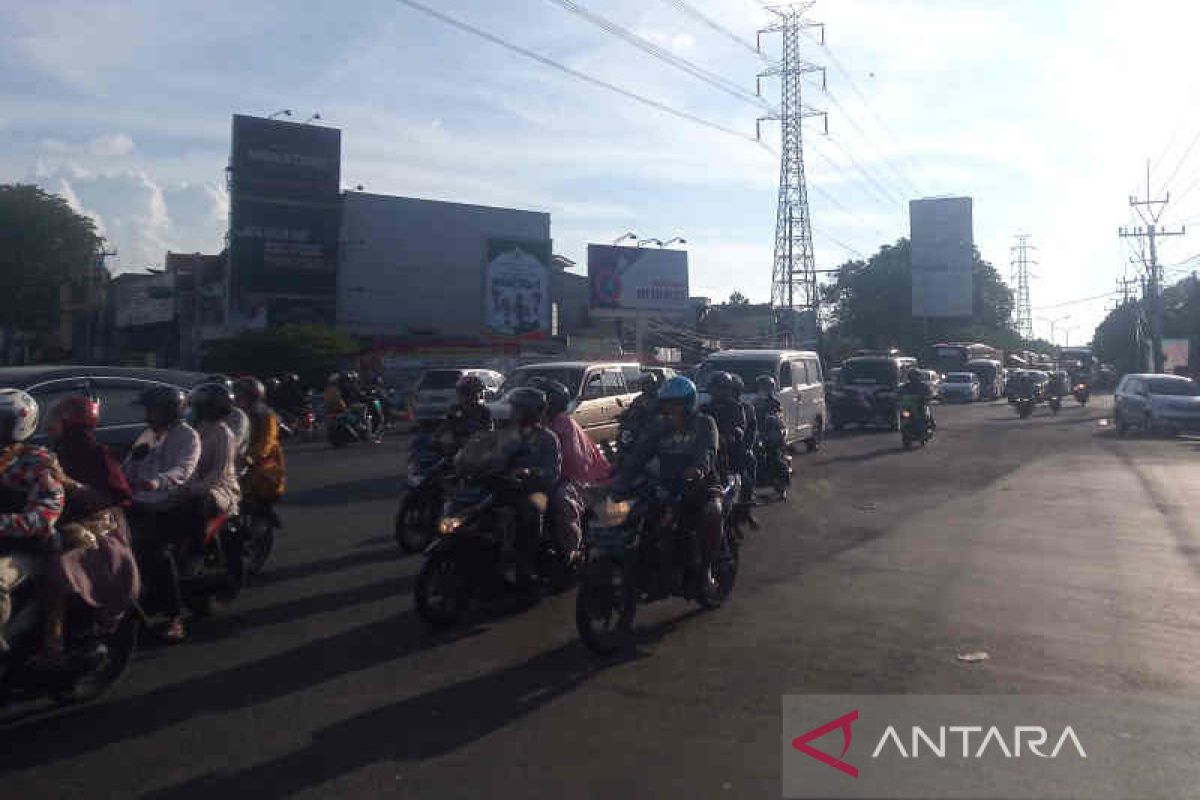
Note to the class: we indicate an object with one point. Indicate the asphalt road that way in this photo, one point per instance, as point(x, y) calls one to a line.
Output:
point(1070, 556)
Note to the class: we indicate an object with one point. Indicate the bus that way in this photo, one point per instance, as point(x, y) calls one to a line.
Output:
point(953, 356)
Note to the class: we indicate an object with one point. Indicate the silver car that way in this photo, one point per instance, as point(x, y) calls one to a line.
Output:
point(1168, 404)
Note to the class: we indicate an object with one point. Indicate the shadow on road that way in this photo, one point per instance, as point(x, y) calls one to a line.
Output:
point(81, 730)
point(871, 455)
point(427, 726)
point(233, 624)
point(342, 494)
point(325, 566)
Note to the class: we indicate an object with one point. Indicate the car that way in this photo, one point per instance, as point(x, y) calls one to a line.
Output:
point(664, 373)
point(867, 391)
point(434, 391)
point(601, 391)
point(991, 375)
point(1156, 403)
point(799, 377)
point(118, 389)
point(961, 387)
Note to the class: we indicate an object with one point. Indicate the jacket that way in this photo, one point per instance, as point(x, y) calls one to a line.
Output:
point(169, 461)
point(216, 471)
point(265, 480)
point(31, 478)
point(538, 451)
point(582, 461)
point(695, 447)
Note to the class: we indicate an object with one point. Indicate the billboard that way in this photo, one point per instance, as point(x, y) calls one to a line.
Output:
point(637, 278)
point(284, 210)
point(272, 158)
point(516, 289)
point(1175, 355)
point(144, 299)
point(941, 234)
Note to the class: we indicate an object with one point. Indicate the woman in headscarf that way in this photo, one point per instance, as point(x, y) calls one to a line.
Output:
point(97, 564)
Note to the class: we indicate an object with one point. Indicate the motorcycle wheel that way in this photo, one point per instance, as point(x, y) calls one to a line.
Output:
point(340, 435)
point(414, 525)
point(723, 575)
point(441, 593)
point(605, 606)
point(906, 440)
point(121, 645)
point(258, 546)
point(1024, 410)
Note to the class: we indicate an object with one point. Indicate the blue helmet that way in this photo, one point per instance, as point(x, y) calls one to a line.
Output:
point(679, 388)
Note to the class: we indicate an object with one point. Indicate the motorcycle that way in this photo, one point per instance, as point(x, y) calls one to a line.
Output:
point(774, 461)
point(914, 423)
point(421, 505)
point(636, 551)
point(209, 570)
point(1055, 403)
point(1024, 406)
point(474, 556)
point(297, 423)
point(363, 423)
point(1082, 393)
point(258, 524)
point(95, 660)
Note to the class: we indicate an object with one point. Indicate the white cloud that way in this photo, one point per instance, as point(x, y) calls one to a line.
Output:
point(117, 144)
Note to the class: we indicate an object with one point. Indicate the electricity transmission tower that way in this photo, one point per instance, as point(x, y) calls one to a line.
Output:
point(1023, 313)
point(794, 277)
point(1150, 211)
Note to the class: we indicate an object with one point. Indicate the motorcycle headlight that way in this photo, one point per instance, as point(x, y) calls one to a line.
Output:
point(906, 413)
point(448, 525)
point(610, 513)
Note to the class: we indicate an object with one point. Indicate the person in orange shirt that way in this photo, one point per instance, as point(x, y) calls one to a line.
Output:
point(265, 478)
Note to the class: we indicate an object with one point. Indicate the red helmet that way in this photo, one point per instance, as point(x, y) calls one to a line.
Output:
point(75, 411)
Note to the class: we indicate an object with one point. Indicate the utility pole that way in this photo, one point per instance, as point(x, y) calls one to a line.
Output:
point(1023, 313)
point(793, 276)
point(1150, 211)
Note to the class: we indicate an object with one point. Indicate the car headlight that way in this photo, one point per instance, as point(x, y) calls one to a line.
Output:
point(448, 525)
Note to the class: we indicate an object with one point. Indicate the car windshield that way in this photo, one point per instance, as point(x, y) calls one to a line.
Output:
point(960, 377)
point(440, 379)
point(749, 371)
point(1180, 388)
point(567, 376)
point(870, 372)
point(983, 371)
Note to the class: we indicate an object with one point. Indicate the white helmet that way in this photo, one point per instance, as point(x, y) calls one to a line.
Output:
point(22, 410)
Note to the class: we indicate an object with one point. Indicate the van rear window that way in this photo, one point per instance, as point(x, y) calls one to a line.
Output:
point(440, 379)
point(749, 371)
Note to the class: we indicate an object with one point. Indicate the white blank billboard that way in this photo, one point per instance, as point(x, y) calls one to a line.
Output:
point(942, 236)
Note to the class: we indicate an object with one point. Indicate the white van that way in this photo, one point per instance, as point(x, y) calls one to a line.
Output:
point(798, 375)
point(434, 392)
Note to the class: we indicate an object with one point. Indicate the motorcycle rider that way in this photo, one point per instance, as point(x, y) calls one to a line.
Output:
point(642, 410)
point(730, 417)
point(535, 464)
point(335, 403)
point(237, 421)
point(1059, 385)
point(749, 442)
point(583, 464)
point(162, 459)
point(916, 387)
point(290, 397)
point(31, 494)
point(264, 480)
point(768, 413)
point(466, 417)
point(686, 444)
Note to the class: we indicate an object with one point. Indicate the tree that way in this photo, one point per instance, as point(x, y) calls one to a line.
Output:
point(871, 305)
point(312, 351)
point(738, 299)
point(44, 245)
point(1122, 339)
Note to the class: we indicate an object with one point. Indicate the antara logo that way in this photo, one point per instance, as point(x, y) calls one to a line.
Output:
point(937, 742)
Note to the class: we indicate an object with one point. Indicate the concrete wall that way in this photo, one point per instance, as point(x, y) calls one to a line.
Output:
point(415, 267)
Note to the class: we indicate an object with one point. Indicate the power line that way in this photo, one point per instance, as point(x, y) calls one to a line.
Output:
point(646, 46)
point(696, 14)
point(583, 76)
point(1077, 302)
point(1182, 160)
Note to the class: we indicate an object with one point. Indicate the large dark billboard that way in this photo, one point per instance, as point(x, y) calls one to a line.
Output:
point(285, 160)
point(284, 211)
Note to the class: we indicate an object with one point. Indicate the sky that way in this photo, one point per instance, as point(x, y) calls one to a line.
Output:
point(1046, 113)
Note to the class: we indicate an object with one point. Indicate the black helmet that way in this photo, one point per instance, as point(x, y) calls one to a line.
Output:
point(470, 386)
point(211, 401)
point(739, 385)
point(558, 396)
point(291, 378)
point(651, 383)
point(765, 383)
point(164, 404)
point(720, 385)
point(273, 385)
point(915, 376)
point(250, 389)
point(528, 404)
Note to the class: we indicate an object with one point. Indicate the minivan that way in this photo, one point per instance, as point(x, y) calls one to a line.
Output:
point(435, 391)
point(601, 390)
point(866, 393)
point(1167, 404)
point(798, 375)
